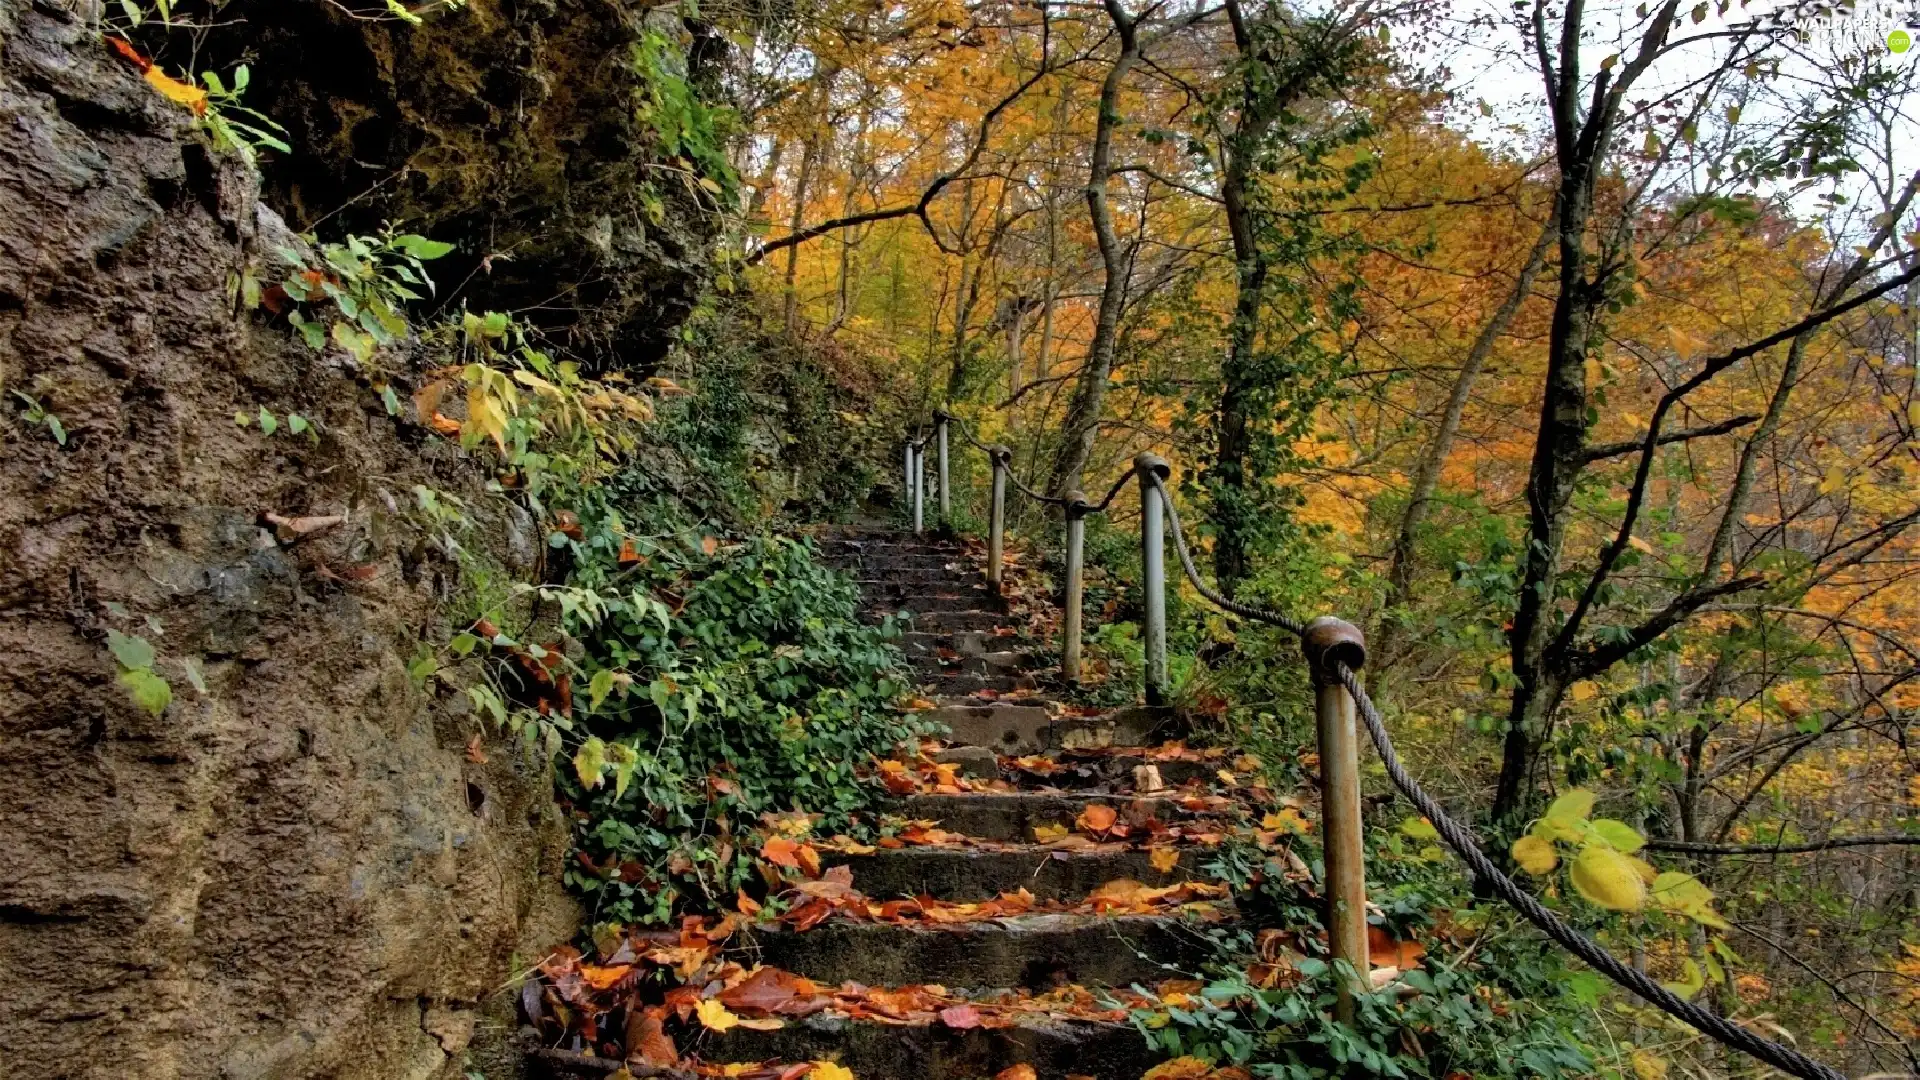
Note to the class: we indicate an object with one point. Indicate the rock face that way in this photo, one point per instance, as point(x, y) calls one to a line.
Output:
point(300, 871)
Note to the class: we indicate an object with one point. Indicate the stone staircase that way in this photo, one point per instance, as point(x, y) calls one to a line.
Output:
point(1028, 766)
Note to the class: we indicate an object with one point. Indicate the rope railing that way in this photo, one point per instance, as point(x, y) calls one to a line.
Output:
point(1335, 650)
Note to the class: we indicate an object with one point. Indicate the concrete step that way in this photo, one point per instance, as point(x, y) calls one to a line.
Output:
point(1012, 816)
point(967, 875)
point(1032, 729)
point(931, 1051)
point(1034, 951)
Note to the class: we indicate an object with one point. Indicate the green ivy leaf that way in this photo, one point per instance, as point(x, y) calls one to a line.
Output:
point(134, 653)
point(268, 422)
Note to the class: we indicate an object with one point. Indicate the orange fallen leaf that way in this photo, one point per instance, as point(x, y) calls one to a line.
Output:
point(709, 544)
point(476, 753)
point(1164, 858)
point(1097, 818)
point(781, 851)
point(1016, 1072)
point(809, 860)
point(747, 905)
point(602, 978)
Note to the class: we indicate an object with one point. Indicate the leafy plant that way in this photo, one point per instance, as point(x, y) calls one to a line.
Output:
point(36, 413)
point(762, 694)
point(135, 657)
point(1601, 864)
point(234, 126)
point(269, 423)
point(366, 280)
point(686, 126)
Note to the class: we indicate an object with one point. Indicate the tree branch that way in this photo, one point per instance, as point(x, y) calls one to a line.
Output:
point(1607, 450)
point(1691, 848)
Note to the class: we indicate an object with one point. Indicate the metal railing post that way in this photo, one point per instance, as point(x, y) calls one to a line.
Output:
point(919, 486)
point(997, 517)
point(1326, 641)
point(1153, 573)
point(1076, 513)
point(906, 475)
point(940, 435)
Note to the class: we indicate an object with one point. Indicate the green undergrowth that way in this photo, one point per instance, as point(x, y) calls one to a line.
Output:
point(1487, 999)
point(758, 696)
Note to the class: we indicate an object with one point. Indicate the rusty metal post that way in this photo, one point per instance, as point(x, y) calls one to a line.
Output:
point(1153, 573)
point(1076, 584)
point(919, 484)
point(946, 486)
point(1328, 641)
point(997, 517)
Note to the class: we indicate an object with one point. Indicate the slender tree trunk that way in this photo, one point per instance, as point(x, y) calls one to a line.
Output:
point(1434, 458)
point(1082, 423)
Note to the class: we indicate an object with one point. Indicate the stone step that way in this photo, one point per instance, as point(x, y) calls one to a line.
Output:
point(945, 684)
point(949, 621)
point(918, 575)
point(1113, 772)
point(932, 1051)
point(1032, 729)
point(1012, 816)
point(863, 548)
point(961, 642)
point(1033, 951)
point(1004, 662)
point(881, 564)
point(967, 875)
point(923, 603)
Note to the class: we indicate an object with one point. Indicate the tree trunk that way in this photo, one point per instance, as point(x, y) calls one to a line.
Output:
point(1434, 458)
point(1089, 395)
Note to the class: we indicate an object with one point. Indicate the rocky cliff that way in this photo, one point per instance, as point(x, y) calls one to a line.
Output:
point(298, 870)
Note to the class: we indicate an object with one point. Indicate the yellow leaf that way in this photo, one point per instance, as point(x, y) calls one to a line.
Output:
point(176, 91)
point(715, 1016)
point(1164, 858)
point(1047, 834)
point(1640, 545)
point(1649, 1066)
point(1584, 689)
point(1913, 414)
point(1286, 820)
point(827, 1070)
point(1535, 856)
point(1226, 778)
point(1180, 1068)
point(1608, 878)
point(1835, 480)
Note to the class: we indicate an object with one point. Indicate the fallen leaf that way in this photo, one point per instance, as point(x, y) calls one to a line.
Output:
point(1047, 834)
point(746, 905)
point(1164, 858)
point(709, 544)
point(827, 1070)
point(960, 1017)
point(476, 753)
point(648, 1041)
point(1180, 1068)
point(1015, 1072)
point(1097, 818)
point(781, 851)
point(1287, 819)
point(302, 526)
point(714, 1016)
point(760, 1023)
